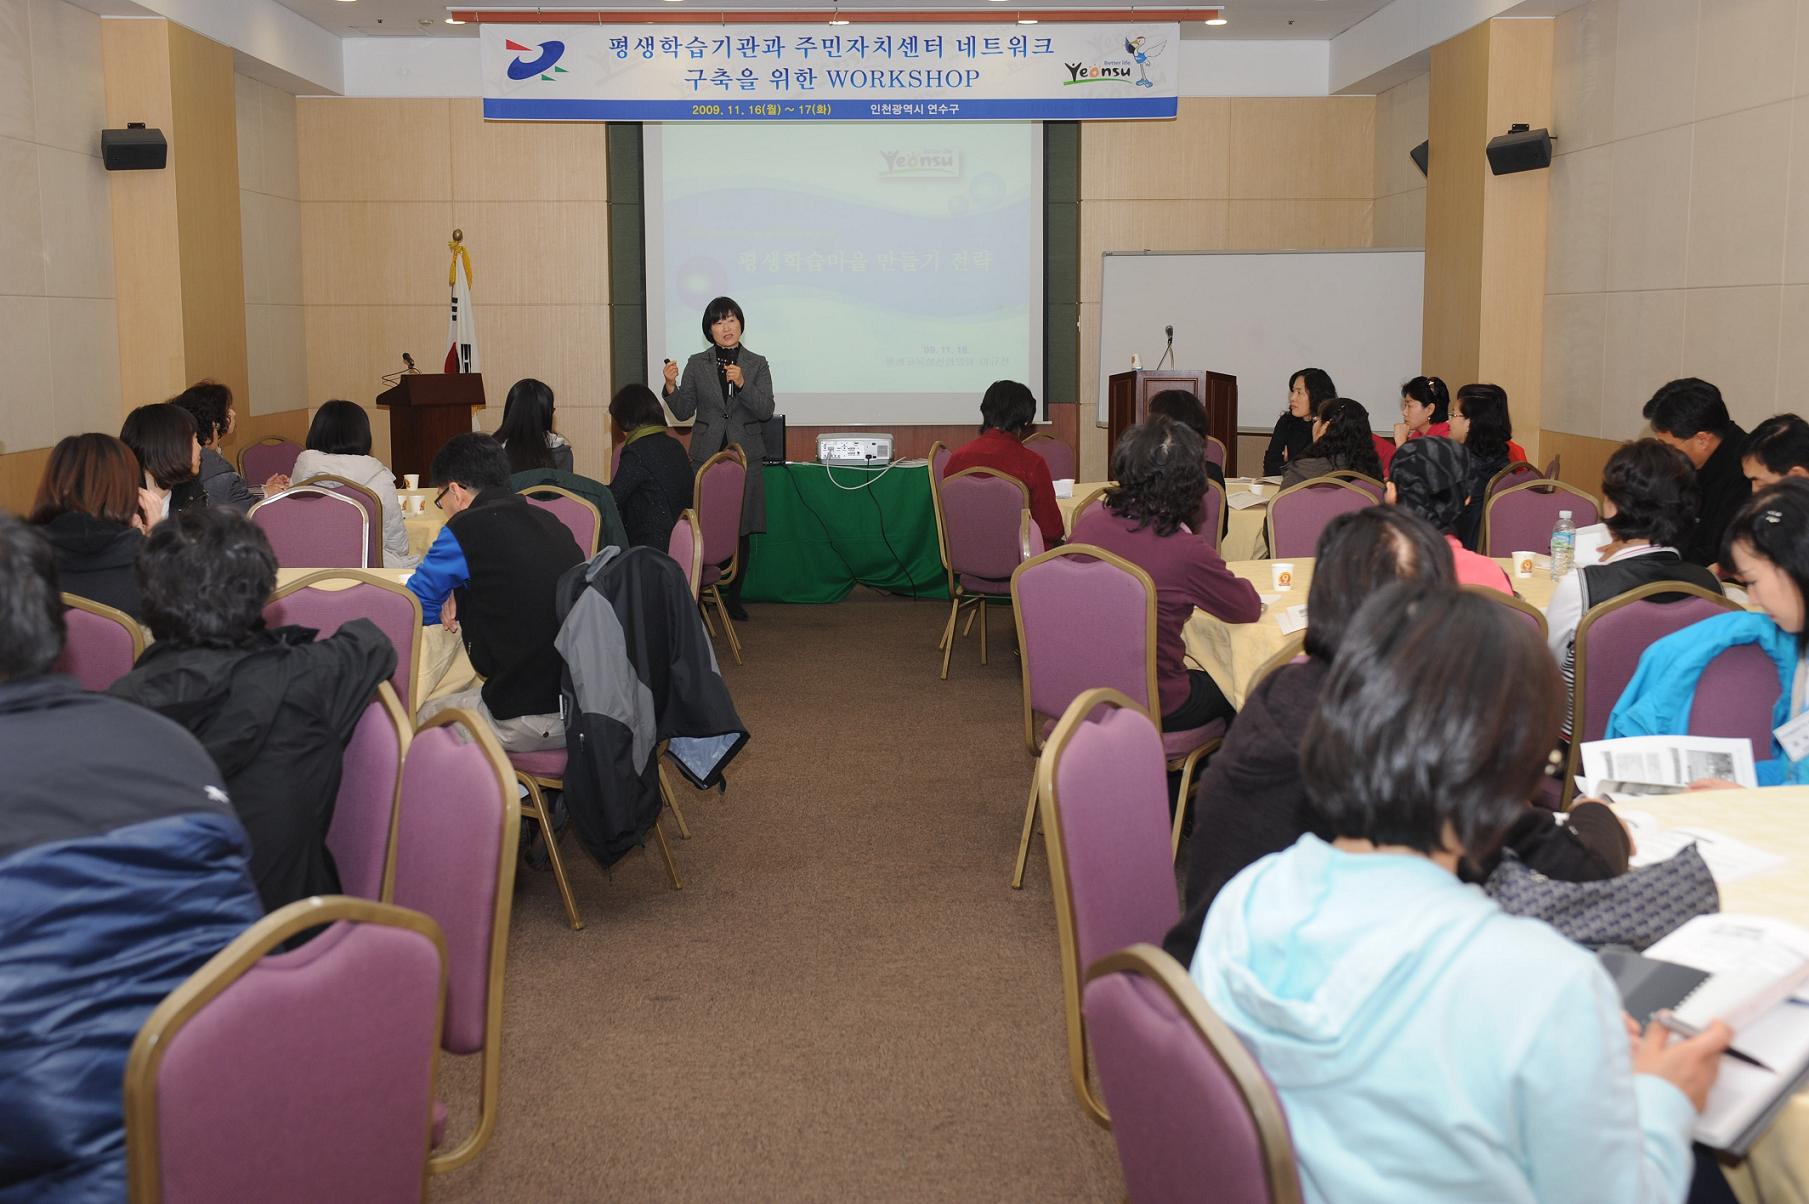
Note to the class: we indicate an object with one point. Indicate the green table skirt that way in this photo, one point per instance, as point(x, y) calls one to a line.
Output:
point(830, 529)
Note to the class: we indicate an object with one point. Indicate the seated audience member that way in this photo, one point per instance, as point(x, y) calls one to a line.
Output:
point(94, 512)
point(1007, 413)
point(1431, 477)
point(1424, 1044)
point(493, 574)
point(1776, 448)
point(1308, 389)
point(1480, 421)
point(1690, 416)
point(209, 403)
point(1767, 552)
point(274, 708)
point(339, 445)
point(527, 431)
point(1425, 410)
point(652, 484)
point(168, 447)
point(122, 871)
point(1160, 474)
point(1341, 443)
point(1178, 405)
point(1648, 505)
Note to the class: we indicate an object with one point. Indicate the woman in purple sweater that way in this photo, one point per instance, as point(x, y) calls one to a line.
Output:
point(1148, 518)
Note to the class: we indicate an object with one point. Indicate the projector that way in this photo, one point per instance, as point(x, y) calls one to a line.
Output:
point(853, 448)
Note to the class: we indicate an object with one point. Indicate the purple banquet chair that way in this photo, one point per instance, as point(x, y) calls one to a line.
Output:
point(314, 528)
point(362, 836)
point(1362, 480)
point(1299, 513)
point(293, 1077)
point(367, 501)
point(987, 518)
point(1735, 696)
point(1088, 504)
point(1521, 516)
point(100, 644)
point(1059, 456)
point(1215, 452)
point(685, 545)
point(578, 514)
point(311, 602)
point(1104, 799)
point(1522, 609)
point(717, 500)
point(1517, 473)
point(1212, 513)
point(938, 458)
point(1611, 638)
point(267, 457)
point(1190, 1106)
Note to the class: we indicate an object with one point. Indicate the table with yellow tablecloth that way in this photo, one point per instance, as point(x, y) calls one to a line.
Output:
point(1776, 820)
point(1244, 537)
point(423, 528)
point(1231, 652)
point(444, 669)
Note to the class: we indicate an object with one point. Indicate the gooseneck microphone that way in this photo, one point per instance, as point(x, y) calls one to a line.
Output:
point(1169, 354)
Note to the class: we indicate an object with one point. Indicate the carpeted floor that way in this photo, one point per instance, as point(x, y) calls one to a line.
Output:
point(846, 1001)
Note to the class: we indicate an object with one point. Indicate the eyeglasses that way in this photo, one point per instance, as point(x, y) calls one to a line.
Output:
point(440, 497)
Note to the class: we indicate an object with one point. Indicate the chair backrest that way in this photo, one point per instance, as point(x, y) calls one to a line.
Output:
point(314, 528)
point(367, 500)
point(267, 457)
point(298, 1076)
point(1531, 614)
point(1362, 480)
point(1551, 470)
point(328, 600)
point(1614, 634)
point(1086, 620)
point(1087, 504)
point(938, 457)
point(100, 644)
point(716, 498)
point(1292, 650)
point(1103, 792)
point(456, 839)
point(1059, 456)
point(938, 460)
point(1212, 510)
point(362, 836)
point(1215, 452)
point(1735, 696)
point(1520, 517)
point(1190, 1106)
point(578, 514)
point(686, 546)
point(1517, 473)
point(1299, 513)
point(984, 512)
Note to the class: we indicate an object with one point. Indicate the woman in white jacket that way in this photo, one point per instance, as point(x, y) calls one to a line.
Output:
point(339, 444)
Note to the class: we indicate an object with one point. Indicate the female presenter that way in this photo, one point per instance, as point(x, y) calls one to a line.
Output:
point(730, 392)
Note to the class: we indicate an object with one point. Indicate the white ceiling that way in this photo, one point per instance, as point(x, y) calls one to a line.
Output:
point(1247, 19)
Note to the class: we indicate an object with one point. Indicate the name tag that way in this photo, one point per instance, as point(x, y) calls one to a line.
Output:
point(1793, 737)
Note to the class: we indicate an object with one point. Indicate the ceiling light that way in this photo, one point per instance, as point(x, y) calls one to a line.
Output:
point(836, 18)
point(1218, 20)
point(1026, 20)
point(453, 21)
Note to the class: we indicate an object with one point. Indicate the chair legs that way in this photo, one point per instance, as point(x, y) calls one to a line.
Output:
point(551, 837)
point(976, 611)
point(948, 628)
point(728, 625)
point(1187, 767)
point(659, 834)
point(1017, 875)
point(982, 610)
point(684, 829)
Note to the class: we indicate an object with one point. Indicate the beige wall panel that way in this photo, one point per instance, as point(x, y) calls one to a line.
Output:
point(1146, 226)
point(19, 476)
point(1573, 361)
point(1796, 244)
point(1576, 254)
point(1731, 337)
point(1400, 220)
point(1746, 55)
point(587, 430)
point(524, 161)
point(1649, 218)
point(536, 252)
point(276, 350)
point(1454, 205)
point(84, 364)
point(1644, 349)
point(1402, 118)
point(1802, 48)
point(71, 98)
point(349, 348)
point(28, 419)
point(367, 253)
point(1793, 346)
point(1295, 225)
point(254, 228)
point(1739, 178)
point(282, 167)
point(22, 248)
point(1655, 64)
point(1582, 458)
point(375, 150)
point(146, 260)
point(282, 229)
point(248, 122)
point(77, 224)
point(1583, 76)
point(1184, 159)
point(567, 346)
point(1304, 147)
point(16, 117)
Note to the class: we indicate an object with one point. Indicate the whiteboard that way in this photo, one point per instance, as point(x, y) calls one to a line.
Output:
point(1261, 316)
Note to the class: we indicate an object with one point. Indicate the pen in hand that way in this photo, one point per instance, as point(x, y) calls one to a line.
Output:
point(1671, 1024)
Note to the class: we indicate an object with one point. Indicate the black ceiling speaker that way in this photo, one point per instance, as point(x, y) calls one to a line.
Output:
point(1421, 155)
point(134, 149)
point(1520, 149)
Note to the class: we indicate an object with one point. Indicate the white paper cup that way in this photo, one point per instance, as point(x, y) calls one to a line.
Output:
point(412, 480)
point(1256, 488)
point(1523, 564)
point(1281, 575)
point(417, 504)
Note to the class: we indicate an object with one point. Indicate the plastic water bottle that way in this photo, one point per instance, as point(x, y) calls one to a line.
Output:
point(1563, 545)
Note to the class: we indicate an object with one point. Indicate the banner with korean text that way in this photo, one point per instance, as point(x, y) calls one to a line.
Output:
point(782, 73)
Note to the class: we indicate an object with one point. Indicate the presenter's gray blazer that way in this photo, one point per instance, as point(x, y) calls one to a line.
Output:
point(699, 394)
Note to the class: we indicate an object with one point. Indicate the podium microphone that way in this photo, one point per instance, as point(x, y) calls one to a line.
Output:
point(410, 361)
point(1169, 354)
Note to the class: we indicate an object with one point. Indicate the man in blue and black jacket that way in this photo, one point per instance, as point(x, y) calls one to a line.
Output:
point(122, 871)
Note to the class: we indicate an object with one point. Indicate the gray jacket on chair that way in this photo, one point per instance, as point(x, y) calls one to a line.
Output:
point(721, 423)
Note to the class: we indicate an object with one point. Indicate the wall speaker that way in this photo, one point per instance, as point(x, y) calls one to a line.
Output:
point(1421, 155)
point(1520, 149)
point(134, 149)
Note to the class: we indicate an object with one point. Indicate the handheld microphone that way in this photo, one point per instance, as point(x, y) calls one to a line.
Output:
point(722, 369)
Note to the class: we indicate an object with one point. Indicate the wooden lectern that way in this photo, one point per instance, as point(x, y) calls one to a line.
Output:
point(1128, 394)
point(425, 410)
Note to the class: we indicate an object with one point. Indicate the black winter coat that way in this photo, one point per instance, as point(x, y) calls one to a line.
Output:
point(96, 559)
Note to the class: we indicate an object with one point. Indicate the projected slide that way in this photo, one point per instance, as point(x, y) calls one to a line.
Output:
point(888, 273)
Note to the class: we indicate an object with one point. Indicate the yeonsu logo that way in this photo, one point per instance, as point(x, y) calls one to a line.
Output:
point(1097, 73)
point(1141, 52)
point(921, 163)
point(545, 66)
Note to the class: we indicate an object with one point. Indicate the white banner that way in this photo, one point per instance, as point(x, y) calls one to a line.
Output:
point(1054, 72)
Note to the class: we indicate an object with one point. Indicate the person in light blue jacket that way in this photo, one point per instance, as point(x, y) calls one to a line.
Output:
point(1427, 1046)
point(1768, 549)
